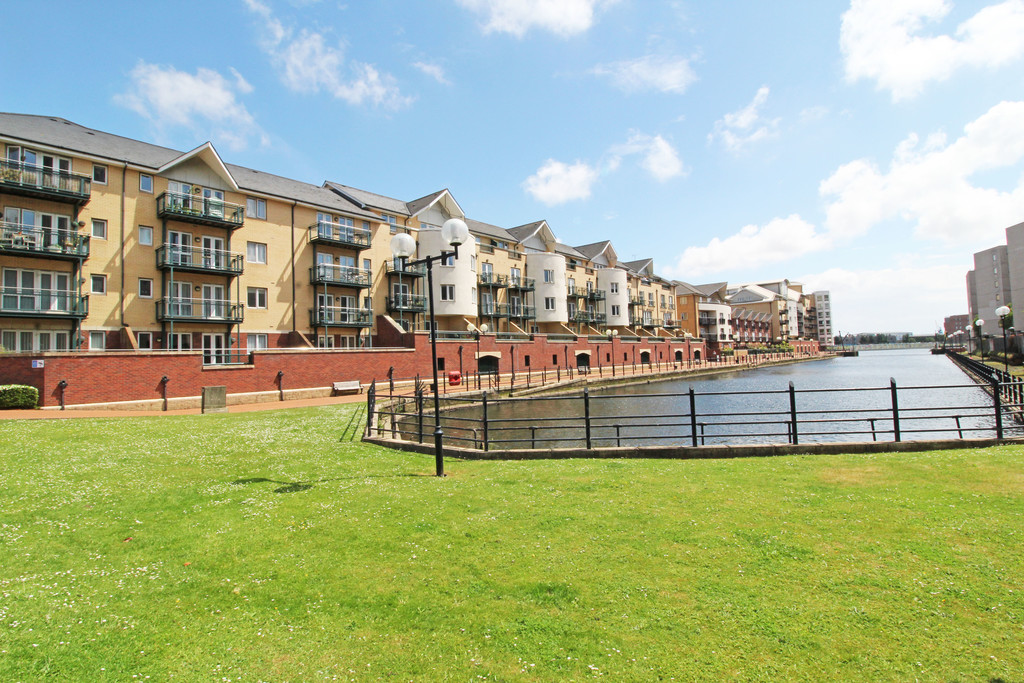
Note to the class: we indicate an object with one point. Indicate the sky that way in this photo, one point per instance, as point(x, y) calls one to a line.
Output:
point(866, 147)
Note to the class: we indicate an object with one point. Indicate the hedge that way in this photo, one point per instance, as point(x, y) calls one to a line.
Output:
point(18, 396)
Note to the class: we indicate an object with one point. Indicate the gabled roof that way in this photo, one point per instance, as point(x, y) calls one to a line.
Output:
point(524, 232)
point(595, 249)
point(642, 267)
point(566, 250)
point(712, 288)
point(60, 134)
point(751, 294)
point(208, 155)
point(442, 197)
point(685, 288)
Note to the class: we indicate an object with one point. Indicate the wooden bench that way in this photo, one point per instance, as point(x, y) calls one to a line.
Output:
point(351, 386)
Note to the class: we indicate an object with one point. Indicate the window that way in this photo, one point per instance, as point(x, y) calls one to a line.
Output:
point(99, 174)
point(145, 340)
point(367, 265)
point(256, 208)
point(615, 310)
point(447, 292)
point(255, 252)
point(99, 284)
point(255, 342)
point(549, 276)
point(325, 341)
point(145, 183)
point(392, 221)
point(448, 260)
point(99, 229)
point(145, 235)
point(614, 287)
point(97, 341)
point(145, 288)
point(257, 297)
point(549, 303)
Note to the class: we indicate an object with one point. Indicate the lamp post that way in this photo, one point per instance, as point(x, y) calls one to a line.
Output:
point(403, 246)
point(477, 331)
point(981, 340)
point(612, 334)
point(1002, 312)
point(967, 333)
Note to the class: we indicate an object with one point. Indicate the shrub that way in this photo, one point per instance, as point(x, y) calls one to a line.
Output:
point(18, 396)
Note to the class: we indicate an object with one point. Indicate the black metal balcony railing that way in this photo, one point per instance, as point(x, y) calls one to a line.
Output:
point(576, 291)
point(339, 235)
point(517, 311)
point(523, 283)
point(199, 260)
point(596, 294)
point(399, 268)
point(344, 276)
point(340, 316)
point(195, 208)
point(44, 183)
point(637, 301)
point(416, 303)
point(488, 309)
point(493, 280)
point(16, 302)
point(31, 240)
point(582, 317)
point(199, 310)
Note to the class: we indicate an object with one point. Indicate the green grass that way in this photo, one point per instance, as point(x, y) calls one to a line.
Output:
point(271, 546)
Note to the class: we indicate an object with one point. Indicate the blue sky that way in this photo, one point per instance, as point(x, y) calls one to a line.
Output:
point(866, 147)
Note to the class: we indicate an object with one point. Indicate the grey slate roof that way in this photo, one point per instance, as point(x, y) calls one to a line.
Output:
point(711, 288)
point(369, 199)
point(593, 249)
point(480, 228)
point(63, 134)
point(522, 232)
point(566, 250)
point(416, 205)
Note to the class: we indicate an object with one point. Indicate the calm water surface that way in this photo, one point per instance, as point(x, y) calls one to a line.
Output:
point(753, 406)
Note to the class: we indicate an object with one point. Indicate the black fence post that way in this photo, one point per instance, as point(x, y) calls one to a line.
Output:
point(693, 418)
point(586, 416)
point(997, 406)
point(795, 437)
point(895, 409)
point(419, 411)
point(485, 419)
point(371, 395)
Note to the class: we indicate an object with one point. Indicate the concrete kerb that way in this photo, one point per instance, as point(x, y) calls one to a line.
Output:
point(716, 452)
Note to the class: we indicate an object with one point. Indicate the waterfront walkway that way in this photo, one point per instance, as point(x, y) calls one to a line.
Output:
point(518, 383)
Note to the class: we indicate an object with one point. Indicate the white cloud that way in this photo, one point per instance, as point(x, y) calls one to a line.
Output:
point(561, 17)
point(780, 240)
point(667, 74)
point(307, 63)
point(744, 127)
point(660, 158)
point(863, 302)
point(435, 71)
point(930, 185)
point(881, 40)
point(557, 183)
point(203, 100)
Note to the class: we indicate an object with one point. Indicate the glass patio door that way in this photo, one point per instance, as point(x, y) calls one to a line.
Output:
point(179, 248)
point(213, 252)
point(214, 349)
point(214, 303)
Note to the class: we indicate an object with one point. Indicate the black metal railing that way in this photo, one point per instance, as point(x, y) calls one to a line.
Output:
point(38, 181)
point(196, 208)
point(407, 302)
point(17, 302)
point(493, 280)
point(344, 276)
point(785, 416)
point(199, 259)
point(33, 240)
point(339, 235)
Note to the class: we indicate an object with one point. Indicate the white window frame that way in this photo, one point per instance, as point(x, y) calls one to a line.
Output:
point(101, 224)
point(253, 252)
point(260, 293)
point(144, 340)
point(256, 341)
point(102, 170)
point(143, 231)
point(549, 276)
point(143, 177)
point(255, 207)
point(149, 281)
point(447, 293)
point(100, 278)
point(97, 341)
point(549, 303)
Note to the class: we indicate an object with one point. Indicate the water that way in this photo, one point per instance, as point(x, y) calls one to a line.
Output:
point(753, 406)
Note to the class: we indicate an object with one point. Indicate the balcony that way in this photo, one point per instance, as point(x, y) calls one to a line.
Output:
point(42, 303)
point(199, 260)
point(44, 183)
point(337, 235)
point(341, 276)
point(517, 312)
point(488, 309)
point(192, 309)
point(20, 239)
point(596, 294)
point(403, 270)
point(195, 208)
point(415, 303)
point(637, 301)
point(576, 291)
point(338, 316)
point(582, 317)
point(492, 280)
point(525, 284)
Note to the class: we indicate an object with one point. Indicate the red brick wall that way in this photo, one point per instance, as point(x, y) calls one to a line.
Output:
point(103, 377)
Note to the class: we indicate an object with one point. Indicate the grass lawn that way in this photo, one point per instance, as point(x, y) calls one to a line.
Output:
point(275, 547)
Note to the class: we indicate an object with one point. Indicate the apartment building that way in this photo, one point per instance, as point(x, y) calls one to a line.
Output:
point(111, 243)
point(989, 284)
point(822, 316)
